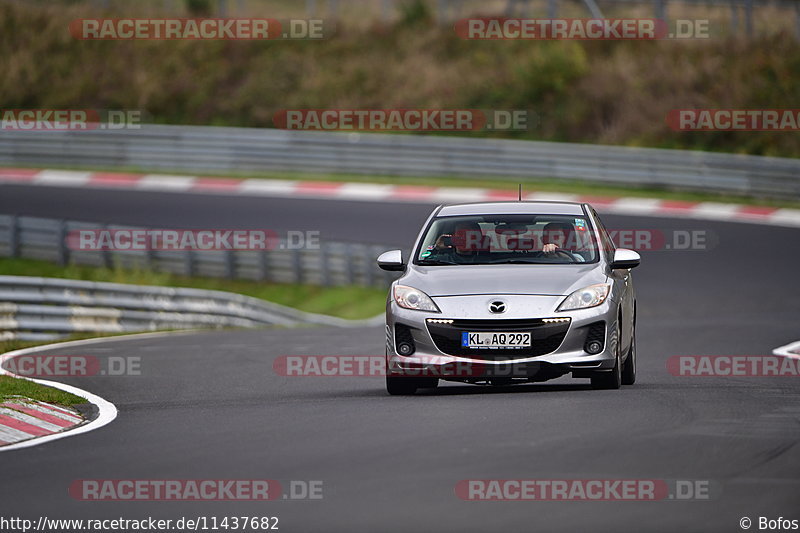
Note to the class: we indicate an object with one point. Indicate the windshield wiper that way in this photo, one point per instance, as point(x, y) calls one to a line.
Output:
point(435, 262)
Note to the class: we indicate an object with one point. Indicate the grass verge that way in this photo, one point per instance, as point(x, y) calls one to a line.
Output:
point(11, 386)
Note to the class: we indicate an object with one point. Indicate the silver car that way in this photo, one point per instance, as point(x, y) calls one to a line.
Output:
point(511, 292)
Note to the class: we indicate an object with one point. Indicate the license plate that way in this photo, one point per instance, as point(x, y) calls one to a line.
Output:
point(495, 339)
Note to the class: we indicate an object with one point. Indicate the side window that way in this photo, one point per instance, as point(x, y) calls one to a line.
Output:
point(605, 238)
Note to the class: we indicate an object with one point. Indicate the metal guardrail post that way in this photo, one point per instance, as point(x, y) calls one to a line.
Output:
point(349, 266)
point(324, 264)
point(263, 265)
point(297, 265)
point(188, 263)
point(370, 266)
point(13, 235)
point(108, 258)
point(63, 251)
point(230, 264)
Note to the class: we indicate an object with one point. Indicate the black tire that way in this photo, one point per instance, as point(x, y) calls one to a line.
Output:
point(629, 367)
point(613, 379)
point(428, 383)
point(401, 386)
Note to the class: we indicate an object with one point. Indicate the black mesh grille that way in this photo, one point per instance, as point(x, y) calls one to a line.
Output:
point(595, 332)
point(546, 337)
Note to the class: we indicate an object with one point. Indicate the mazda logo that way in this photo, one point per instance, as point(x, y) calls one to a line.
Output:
point(497, 307)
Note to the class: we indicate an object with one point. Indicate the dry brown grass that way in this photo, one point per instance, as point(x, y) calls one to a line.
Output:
point(602, 92)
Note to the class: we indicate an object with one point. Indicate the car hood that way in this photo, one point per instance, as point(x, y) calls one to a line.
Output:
point(554, 280)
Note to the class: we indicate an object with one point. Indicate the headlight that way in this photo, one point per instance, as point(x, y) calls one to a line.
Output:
point(590, 296)
point(411, 298)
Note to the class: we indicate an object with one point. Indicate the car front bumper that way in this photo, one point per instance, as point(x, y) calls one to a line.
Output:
point(448, 362)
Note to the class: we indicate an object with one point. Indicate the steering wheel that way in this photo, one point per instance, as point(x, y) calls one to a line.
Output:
point(570, 255)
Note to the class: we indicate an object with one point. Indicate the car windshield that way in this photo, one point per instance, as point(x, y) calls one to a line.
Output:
point(508, 239)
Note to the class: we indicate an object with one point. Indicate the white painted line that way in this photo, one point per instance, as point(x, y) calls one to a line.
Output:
point(450, 195)
point(66, 178)
point(365, 191)
point(788, 217)
point(715, 211)
point(791, 350)
point(28, 419)
point(551, 197)
point(165, 182)
point(634, 205)
point(260, 187)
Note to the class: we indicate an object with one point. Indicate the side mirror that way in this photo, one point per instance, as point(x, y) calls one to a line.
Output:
point(624, 258)
point(392, 261)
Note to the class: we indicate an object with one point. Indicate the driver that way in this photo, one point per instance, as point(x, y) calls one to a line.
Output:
point(559, 236)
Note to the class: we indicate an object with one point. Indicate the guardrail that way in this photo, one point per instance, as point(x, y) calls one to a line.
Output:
point(221, 150)
point(331, 264)
point(33, 308)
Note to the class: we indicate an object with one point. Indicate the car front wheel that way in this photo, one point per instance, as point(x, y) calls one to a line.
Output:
point(612, 379)
point(629, 367)
point(402, 386)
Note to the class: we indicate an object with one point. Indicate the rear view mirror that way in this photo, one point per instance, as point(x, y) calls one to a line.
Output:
point(624, 258)
point(392, 261)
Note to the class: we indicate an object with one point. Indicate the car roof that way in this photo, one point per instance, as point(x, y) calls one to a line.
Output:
point(515, 208)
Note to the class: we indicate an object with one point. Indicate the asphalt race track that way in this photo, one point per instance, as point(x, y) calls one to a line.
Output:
point(209, 405)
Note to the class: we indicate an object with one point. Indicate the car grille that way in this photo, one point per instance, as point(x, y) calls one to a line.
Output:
point(546, 336)
point(596, 332)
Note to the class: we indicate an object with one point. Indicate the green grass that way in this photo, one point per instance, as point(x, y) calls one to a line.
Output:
point(11, 386)
point(351, 302)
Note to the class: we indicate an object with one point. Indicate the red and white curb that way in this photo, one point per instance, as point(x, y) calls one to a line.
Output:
point(373, 192)
point(18, 421)
point(22, 419)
